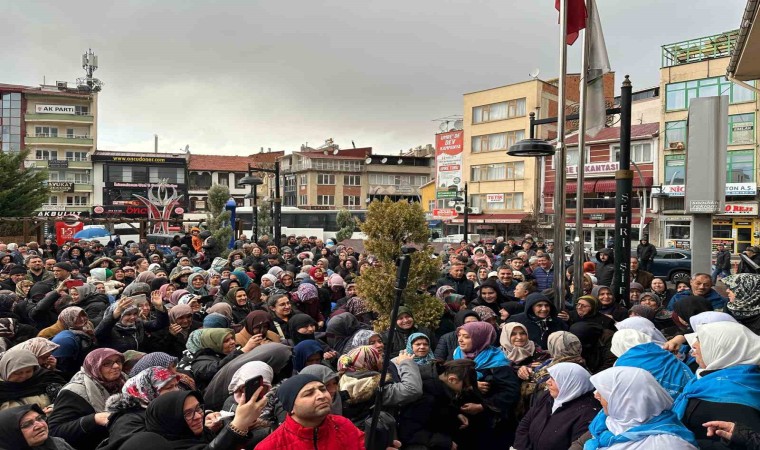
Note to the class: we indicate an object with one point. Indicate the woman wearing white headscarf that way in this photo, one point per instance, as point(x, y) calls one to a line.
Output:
point(266, 423)
point(643, 325)
point(727, 387)
point(637, 414)
point(636, 349)
point(562, 416)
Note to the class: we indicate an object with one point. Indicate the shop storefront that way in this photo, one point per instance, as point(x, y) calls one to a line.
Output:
point(737, 228)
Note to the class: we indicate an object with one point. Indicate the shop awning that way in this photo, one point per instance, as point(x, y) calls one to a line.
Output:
point(610, 185)
point(490, 218)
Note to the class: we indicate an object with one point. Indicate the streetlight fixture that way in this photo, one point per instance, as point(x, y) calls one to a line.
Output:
point(254, 182)
point(531, 148)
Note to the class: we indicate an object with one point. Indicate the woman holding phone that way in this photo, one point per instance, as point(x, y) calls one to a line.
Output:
point(121, 328)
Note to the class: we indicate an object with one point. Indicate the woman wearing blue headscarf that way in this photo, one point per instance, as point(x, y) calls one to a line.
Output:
point(636, 349)
point(637, 414)
point(418, 345)
point(727, 387)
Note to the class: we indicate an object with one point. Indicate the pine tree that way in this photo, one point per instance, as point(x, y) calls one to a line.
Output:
point(21, 190)
point(217, 218)
point(265, 219)
point(388, 226)
point(346, 223)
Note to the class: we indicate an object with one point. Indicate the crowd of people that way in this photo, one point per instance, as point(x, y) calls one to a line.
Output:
point(135, 346)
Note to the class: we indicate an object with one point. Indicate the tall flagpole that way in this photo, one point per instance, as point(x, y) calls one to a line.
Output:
point(579, 239)
point(560, 161)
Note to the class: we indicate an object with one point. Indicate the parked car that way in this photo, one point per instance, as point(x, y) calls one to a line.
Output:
point(672, 264)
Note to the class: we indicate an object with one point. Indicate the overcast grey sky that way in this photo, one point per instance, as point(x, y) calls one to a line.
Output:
point(233, 76)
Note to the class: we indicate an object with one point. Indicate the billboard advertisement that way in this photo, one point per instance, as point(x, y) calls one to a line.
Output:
point(449, 148)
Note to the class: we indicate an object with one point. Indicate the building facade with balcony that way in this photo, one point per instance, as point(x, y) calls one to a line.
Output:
point(228, 170)
point(122, 176)
point(692, 69)
point(325, 178)
point(504, 189)
point(602, 156)
point(329, 178)
point(59, 127)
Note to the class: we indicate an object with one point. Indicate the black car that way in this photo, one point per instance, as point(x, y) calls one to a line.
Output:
point(672, 264)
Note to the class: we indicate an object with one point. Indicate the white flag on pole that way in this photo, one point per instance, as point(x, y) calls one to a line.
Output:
point(598, 65)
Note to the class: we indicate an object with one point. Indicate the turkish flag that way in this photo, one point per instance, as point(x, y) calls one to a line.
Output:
point(576, 18)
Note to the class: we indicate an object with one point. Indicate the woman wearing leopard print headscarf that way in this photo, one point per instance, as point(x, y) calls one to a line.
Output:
point(744, 299)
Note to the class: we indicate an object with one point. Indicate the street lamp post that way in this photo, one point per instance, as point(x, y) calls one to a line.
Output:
point(277, 219)
point(254, 182)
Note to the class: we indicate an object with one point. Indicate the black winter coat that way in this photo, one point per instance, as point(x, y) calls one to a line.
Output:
point(700, 411)
point(723, 260)
point(121, 426)
point(73, 419)
point(94, 305)
point(605, 271)
point(120, 339)
point(206, 363)
point(463, 286)
point(542, 430)
point(646, 252)
point(539, 330)
point(432, 420)
point(400, 337)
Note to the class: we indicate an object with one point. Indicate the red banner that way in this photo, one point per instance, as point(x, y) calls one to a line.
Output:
point(65, 232)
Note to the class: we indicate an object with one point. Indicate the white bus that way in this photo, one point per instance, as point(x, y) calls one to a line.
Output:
point(304, 222)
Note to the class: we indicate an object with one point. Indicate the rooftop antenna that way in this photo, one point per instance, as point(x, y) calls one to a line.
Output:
point(352, 144)
point(534, 73)
point(90, 65)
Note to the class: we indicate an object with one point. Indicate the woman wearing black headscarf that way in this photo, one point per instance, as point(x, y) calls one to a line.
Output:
point(179, 417)
point(301, 327)
point(24, 428)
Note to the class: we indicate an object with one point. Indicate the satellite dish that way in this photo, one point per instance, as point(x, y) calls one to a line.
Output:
point(325, 152)
point(399, 161)
point(384, 160)
point(443, 127)
point(368, 161)
point(458, 124)
point(534, 73)
point(335, 152)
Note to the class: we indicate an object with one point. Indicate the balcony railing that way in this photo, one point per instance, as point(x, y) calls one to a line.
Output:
point(66, 136)
point(700, 49)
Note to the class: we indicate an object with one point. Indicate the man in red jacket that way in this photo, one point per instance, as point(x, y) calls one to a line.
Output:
point(309, 424)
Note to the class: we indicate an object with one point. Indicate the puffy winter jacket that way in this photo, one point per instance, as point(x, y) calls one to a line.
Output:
point(335, 433)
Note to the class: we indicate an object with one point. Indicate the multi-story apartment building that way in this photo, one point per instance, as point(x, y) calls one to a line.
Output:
point(692, 69)
point(330, 178)
point(58, 125)
point(504, 189)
